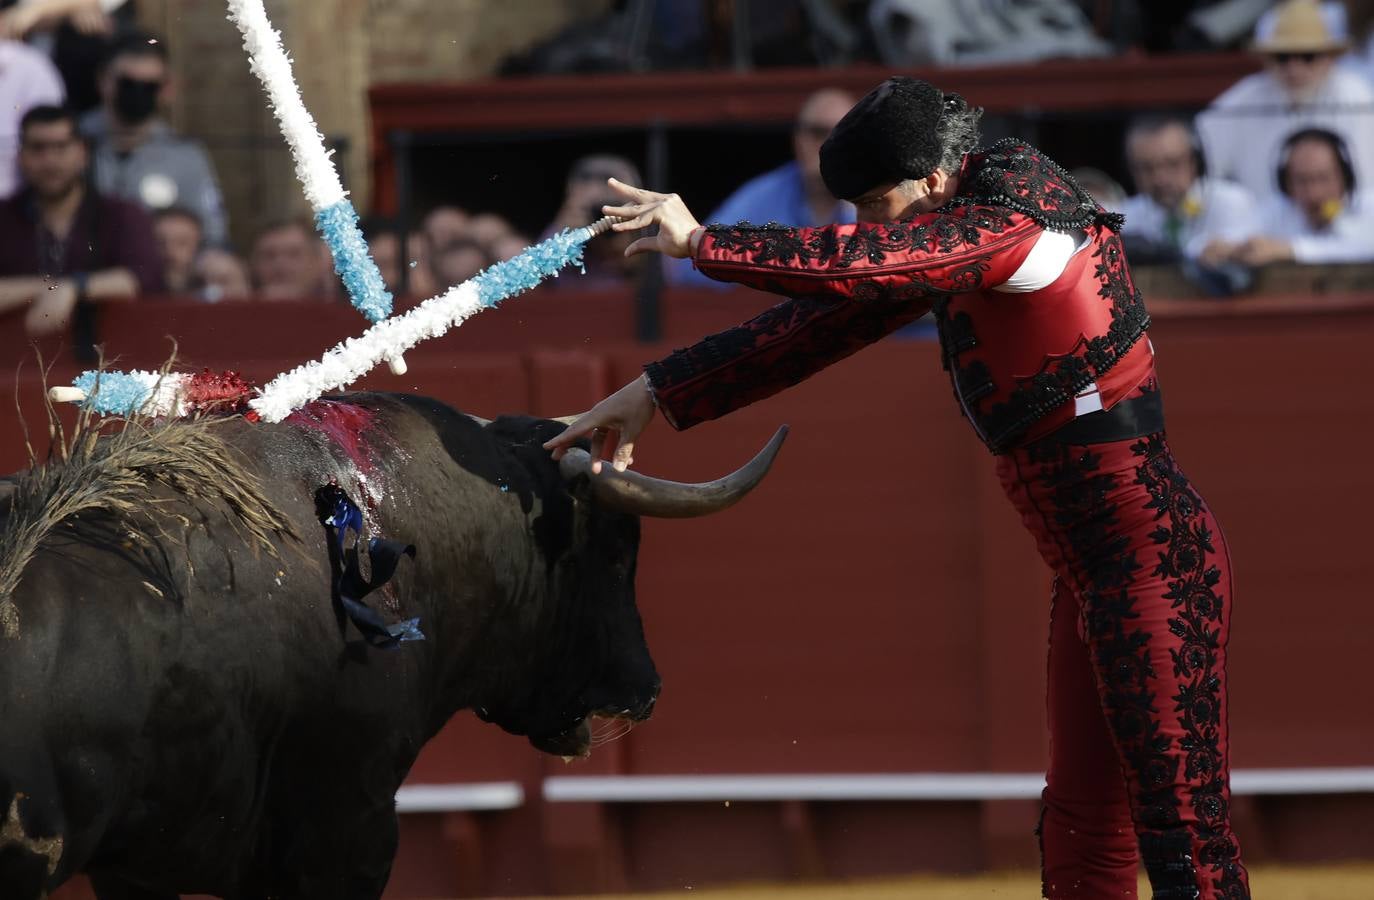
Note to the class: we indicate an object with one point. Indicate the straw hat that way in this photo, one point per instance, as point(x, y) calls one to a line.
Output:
point(1300, 28)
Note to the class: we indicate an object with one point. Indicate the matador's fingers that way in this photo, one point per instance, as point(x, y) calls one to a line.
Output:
point(634, 193)
point(643, 245)
point(643, 220)
point(626, 210)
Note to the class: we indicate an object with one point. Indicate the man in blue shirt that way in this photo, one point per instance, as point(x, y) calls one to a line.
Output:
point(792, 194)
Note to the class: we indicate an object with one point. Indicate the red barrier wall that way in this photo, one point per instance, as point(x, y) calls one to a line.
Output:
point(875, 607)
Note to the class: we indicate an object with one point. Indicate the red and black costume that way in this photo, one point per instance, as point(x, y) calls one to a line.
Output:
point(1059, 382)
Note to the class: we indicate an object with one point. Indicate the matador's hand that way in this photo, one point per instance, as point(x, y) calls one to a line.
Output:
point(678, 230)
point(613, 425)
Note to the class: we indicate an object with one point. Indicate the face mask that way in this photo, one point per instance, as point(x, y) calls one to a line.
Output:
point(135, 100)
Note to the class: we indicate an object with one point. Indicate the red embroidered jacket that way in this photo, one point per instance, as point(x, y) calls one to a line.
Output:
point(1017, 360)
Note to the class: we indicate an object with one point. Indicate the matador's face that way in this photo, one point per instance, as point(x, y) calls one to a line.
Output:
point(894, 201)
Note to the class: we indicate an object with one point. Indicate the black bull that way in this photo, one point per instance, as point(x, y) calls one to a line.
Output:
point(186, 715)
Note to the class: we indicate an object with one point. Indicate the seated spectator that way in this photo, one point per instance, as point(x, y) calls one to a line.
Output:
point(287, 262)
point(220, 275)
point(27, 79)
point(179, 238)
point(1178, 211)
point(488, 230)
point(792, 194)
point(22, 17)
point(1301, 87)
point(585, 193)
point(585, 190)
point(74, 34)
point(1320, 217)
point(913, 33)
point(1106, 190)
point(137, 154)
point(62, 242)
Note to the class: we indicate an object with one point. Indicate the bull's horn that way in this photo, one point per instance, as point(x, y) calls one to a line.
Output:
point(643, 495)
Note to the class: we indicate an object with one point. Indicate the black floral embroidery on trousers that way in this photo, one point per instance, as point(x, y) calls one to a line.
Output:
point(1192, 579)
point(1087, 522)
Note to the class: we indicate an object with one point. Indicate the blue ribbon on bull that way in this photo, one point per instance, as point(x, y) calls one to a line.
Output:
point(348, 586)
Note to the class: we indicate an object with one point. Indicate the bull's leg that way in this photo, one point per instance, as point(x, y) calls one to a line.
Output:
point(347, 859)
point(109, 887)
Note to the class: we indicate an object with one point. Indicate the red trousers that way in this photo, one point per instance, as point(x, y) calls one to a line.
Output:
point(1137, 672)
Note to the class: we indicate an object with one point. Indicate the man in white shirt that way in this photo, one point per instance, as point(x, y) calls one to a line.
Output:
point(1319, 218)
point(1301, 87)
point(1178, 210)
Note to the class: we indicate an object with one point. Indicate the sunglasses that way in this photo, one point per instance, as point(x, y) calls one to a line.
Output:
point(1284, 59)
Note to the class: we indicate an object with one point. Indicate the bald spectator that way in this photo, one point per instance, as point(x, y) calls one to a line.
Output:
point(62, 242)
point(793, 193)
point(1319, 217)
point(179, 239)
point(137, 154)
point(1301, 87)
point(286, 263)
point(1178, 210)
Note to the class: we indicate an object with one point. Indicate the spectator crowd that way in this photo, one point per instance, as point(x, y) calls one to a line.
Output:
point(101, 199)
point(104, 200)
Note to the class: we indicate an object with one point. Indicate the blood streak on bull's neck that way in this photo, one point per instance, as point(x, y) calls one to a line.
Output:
point(342, 423)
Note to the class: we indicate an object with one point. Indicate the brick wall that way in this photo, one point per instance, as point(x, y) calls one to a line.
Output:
point(421, 40)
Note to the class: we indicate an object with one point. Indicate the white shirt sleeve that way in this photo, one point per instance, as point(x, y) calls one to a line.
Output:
point(1045, 262)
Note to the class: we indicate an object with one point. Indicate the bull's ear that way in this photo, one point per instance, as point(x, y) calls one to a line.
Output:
point(643, 495)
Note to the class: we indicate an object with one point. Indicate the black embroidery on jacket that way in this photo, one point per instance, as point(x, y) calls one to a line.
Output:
point(785, 245)
point(1013, 174)
point(1061, 377)
point(1009, 178)
point(873, 309)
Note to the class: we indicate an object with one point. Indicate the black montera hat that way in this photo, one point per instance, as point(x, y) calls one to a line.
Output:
point(889, 135)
